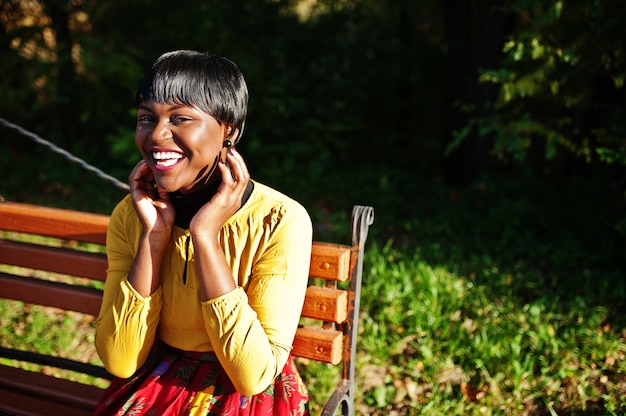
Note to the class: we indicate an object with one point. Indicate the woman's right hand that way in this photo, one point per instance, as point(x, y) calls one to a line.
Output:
point(156, 212)
point(153, 205)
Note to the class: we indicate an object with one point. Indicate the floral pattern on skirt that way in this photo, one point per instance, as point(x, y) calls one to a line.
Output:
point(182, 383)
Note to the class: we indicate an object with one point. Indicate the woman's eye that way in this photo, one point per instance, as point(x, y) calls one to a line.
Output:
point(145, 119)
point(179, 119)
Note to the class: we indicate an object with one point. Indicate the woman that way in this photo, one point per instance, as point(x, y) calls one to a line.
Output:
point(207, 269)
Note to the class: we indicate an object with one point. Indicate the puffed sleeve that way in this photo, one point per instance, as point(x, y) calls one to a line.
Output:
point(127, 322)
point(252, 331)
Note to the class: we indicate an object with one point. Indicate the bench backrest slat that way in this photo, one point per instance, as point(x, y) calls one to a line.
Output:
point(326, 304)
point(319, 344)
point(51, 222)
point(54, 259)
point(330, 261)
point(59, 295)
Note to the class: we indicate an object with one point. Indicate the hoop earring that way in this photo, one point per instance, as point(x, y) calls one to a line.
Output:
point(228, 143)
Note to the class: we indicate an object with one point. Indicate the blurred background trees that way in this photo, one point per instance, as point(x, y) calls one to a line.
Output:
point(351, 100)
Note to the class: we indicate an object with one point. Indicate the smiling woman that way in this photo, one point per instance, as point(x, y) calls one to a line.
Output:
point(207, 269)
point(181, 144)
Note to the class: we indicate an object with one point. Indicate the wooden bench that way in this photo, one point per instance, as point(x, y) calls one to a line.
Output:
point(330, 313)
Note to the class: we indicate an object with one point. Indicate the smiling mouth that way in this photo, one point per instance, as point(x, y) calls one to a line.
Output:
point(166, 160)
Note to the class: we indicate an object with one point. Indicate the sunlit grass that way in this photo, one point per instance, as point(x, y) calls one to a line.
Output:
point(433, 341)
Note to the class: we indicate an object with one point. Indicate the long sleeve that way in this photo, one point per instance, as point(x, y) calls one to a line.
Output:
point(127, 323)
point(252, 331)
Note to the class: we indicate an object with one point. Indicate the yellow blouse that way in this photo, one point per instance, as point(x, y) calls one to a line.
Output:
point(267, 244)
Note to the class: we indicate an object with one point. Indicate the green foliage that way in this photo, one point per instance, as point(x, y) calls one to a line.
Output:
point(560, 83)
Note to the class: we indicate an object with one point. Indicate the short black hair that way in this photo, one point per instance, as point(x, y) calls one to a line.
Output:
point(212, 83)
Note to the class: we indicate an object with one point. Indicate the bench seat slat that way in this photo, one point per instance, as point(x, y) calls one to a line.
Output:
point(66, 224)
point(56, 294)
point(31, 393)
point(55, 361)
point(54, 259)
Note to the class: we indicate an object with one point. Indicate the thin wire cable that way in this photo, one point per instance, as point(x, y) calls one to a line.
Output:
point(65, 154)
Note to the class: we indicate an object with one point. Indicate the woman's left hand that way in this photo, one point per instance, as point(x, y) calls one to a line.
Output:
point(211, 217)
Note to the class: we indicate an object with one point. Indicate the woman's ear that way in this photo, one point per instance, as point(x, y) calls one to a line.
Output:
point(232, 134)
point(228, 131)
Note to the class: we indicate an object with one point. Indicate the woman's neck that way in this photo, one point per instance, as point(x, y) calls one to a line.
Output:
point(187, 205)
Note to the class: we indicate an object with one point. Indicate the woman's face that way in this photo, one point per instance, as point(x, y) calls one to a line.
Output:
point(182, 145)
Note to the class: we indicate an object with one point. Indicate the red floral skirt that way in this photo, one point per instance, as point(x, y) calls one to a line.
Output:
point(177, 383)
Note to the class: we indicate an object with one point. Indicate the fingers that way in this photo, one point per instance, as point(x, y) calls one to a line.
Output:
point(240, 175)
point(152, 204)
point(141, 177)
point(164, 199)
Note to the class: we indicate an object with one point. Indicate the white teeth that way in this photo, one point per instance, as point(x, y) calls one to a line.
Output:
point(167, 162)
point(166, 155)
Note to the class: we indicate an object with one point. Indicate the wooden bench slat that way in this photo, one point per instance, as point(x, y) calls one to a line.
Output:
point(325, 345)
point(54, 259)
point(55, 361)
point(20, 404)
point(42, 292)
point(67, 224)
point(330, 261)
point(28, 392)
point(326, 304)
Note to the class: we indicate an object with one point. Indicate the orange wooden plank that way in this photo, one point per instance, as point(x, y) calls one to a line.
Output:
point(54, 259)
point(325, 345)
point(42, 292)
point(330, 261)
point(326, 304)
point(30, 393)
point(54, 222)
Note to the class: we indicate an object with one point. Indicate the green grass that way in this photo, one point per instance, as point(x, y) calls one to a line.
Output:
point(434, 341)
point(506, 298)
point(48, 331)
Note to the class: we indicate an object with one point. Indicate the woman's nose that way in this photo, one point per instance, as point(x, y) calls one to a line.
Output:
point(161, 132)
